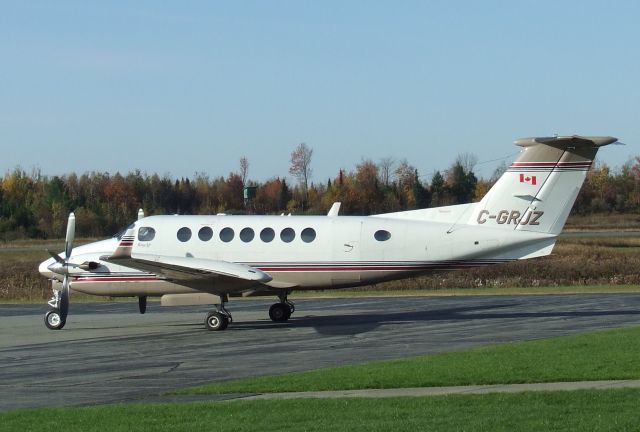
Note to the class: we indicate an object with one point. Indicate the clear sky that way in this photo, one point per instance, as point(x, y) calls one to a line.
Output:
point(188, 86)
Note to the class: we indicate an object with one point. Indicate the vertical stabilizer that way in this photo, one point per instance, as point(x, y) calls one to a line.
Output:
point(538, 190)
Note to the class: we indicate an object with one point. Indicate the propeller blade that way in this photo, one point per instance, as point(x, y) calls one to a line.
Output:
point(64, 298)
point(55, 256)
point(71, 233)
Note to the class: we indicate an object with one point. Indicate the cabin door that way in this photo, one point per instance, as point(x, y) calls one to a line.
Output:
point(347, 241)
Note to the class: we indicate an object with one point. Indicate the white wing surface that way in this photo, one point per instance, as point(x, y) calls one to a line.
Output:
point(201, 274)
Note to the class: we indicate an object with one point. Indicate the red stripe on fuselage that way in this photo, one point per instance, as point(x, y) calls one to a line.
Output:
point(117, 279)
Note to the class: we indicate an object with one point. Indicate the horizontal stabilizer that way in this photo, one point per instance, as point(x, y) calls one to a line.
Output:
point(567, 141)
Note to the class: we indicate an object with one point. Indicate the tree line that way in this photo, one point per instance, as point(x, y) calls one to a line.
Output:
point(36, 206)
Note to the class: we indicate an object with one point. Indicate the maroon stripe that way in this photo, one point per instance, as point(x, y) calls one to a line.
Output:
point(373, 268)
point(117, 279)
point(335, 269)
point(549, 164)
point(535, 164)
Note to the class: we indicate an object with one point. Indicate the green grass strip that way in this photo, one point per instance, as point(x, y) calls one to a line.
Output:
point(603, 355)
point(592, 410)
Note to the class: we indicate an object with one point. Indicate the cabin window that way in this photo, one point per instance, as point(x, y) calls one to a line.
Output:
point(184, 234)
point(205, 233)
point(146, 234)
point(287, 235)
point(382, 235)
point(308, 235)
point(267, 235)
point(226, 235)
point(246, 235)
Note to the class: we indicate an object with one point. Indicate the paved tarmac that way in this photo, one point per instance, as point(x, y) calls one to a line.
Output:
point(109, 353)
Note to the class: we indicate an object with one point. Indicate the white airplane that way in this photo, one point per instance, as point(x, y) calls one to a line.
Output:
point(205, 259)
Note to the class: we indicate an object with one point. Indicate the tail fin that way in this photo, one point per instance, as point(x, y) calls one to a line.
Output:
point(539, 188)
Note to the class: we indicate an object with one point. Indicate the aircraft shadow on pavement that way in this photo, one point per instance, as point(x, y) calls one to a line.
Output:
point(350, 323)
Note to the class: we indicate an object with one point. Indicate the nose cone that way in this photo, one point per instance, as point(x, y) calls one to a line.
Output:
point(43, 268)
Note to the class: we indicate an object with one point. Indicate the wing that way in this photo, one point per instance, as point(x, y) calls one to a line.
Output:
point(202, 274)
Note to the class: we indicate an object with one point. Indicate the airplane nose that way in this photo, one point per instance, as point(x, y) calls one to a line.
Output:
point(43, 268)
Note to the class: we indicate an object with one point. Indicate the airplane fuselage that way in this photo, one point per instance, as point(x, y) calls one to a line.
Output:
point(298, 252)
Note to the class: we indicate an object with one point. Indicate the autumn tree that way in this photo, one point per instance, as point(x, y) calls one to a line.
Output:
point(461, 180)
point(369, 195)
point(301, 166)
point(385, 170)
point(438, 190)
point(407, 179)
point(244, 170)
point(272, 197)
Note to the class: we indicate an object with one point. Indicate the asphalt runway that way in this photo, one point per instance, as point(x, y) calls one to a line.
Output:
point(108, 352)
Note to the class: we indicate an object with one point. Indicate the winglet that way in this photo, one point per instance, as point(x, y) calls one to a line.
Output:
point(126, 244)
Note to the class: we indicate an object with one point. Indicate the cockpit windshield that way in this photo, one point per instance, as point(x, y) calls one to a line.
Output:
point(121, 232)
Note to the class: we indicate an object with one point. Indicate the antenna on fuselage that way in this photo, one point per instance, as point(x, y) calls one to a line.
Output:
point(140, 214)
point(335, 209)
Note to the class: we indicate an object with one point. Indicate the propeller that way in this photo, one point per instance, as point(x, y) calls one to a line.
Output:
point(61, 266)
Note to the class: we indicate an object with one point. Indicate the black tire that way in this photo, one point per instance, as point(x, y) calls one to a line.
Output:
point(279, 312)
point(53, 320)
point(215, 321)
point(142, 304)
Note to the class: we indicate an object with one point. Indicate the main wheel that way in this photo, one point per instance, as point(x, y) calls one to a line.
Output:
point(279, 312)
point(216, 321)
point(53, 320)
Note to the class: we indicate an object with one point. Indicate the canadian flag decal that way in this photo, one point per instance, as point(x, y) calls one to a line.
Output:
point(527, 179)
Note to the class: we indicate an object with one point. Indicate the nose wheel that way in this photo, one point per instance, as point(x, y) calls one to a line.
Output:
point(53, 320)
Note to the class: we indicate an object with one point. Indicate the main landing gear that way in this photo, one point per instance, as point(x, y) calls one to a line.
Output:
point(281, 312)
point(220, 318)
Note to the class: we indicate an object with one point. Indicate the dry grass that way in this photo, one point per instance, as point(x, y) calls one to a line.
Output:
point(574, 262)
point(604, 221)
point(19, 277)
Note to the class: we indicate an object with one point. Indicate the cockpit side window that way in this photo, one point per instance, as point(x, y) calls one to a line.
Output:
point(146, 233)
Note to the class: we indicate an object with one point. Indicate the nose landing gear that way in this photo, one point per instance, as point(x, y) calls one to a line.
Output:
point(53, 320)
point(56, 317)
